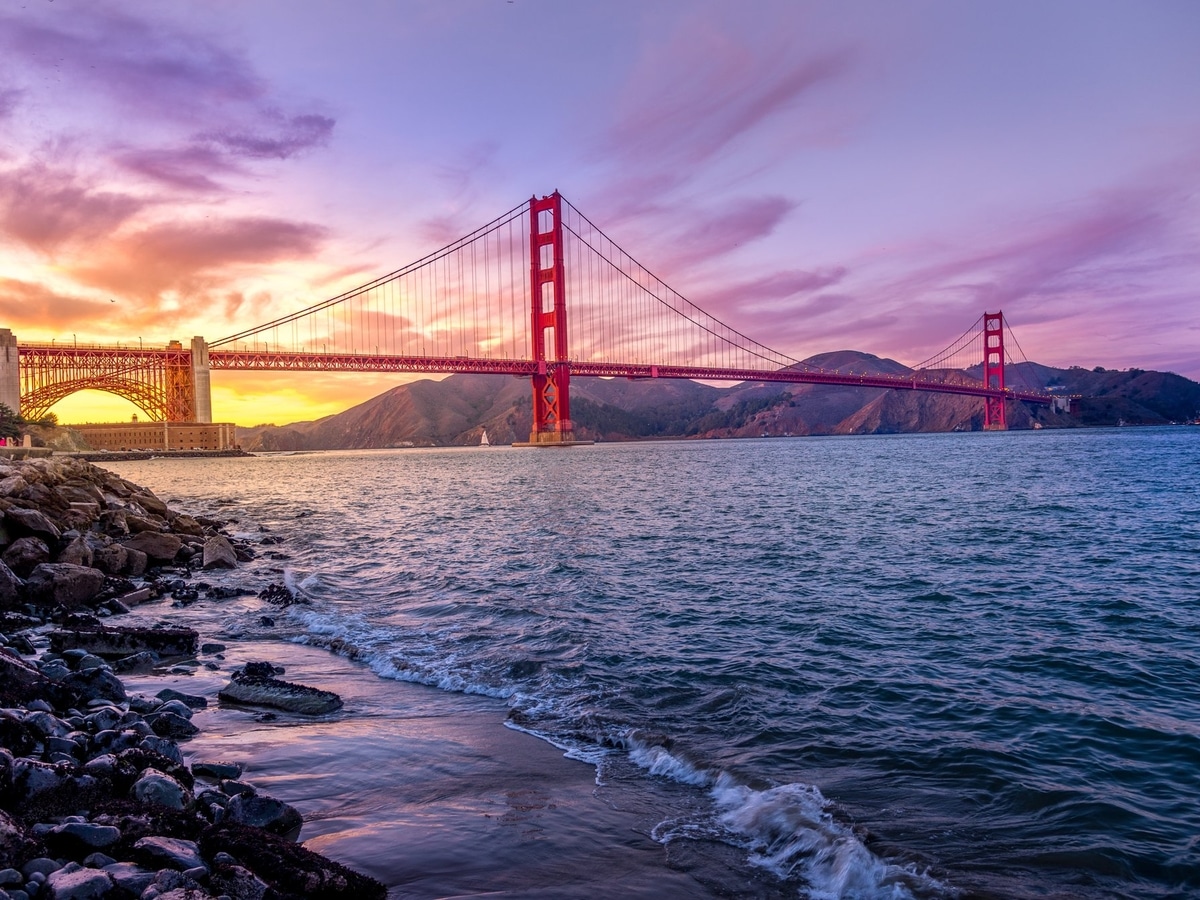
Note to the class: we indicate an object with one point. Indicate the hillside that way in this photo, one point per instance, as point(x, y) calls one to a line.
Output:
point(457, 409)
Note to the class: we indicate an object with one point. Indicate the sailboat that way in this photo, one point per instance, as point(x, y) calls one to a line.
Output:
point(483, 441)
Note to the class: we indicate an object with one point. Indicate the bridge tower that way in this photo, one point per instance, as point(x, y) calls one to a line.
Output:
point(994, 408)
point(201, 381)
point(10, 371)
point(548, 317)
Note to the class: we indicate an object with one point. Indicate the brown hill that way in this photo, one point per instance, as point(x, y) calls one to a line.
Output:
point(458, 408)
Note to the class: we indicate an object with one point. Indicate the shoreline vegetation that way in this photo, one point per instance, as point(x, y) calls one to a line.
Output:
point(95, 797)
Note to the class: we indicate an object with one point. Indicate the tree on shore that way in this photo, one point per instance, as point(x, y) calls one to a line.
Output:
point(10, 422)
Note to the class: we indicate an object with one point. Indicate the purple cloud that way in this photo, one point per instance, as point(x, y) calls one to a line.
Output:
point(190, 168)
point(290, 136)
point(688, 100)
point(8, 102)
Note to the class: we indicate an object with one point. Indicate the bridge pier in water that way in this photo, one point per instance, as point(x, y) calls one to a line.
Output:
point(10, 371)
point(552, 425)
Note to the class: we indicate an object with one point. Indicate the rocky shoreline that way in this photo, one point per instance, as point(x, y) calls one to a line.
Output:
point(96, 800)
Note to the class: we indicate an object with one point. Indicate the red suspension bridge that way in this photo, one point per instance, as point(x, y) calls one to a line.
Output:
point(495, 301)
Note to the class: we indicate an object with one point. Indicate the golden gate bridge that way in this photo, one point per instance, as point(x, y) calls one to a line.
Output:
point(495, 301)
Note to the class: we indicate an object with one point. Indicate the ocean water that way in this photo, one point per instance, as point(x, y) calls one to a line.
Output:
point(962, 665)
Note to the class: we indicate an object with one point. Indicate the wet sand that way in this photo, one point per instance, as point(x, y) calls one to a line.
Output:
point(424, 789)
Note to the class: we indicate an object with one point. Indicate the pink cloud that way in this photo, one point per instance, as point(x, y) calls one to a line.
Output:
point(192, 258)
point(23, 303)
point(46, 207)
point(721, 231)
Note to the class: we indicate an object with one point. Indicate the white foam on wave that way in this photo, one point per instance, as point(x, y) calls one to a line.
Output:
point(792, 834)
point(658, 760)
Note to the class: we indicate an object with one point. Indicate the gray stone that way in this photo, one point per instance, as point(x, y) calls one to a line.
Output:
point(185, 524)
point(155, 787)
point(130, 877)
point(219, 553)
point(10, 876)
point(12, 485)
point(237, 882)
point(163, 747)
point(81, 884)
point(40, 865)
point(171, 852)
point(150, 503)
point(62, 584)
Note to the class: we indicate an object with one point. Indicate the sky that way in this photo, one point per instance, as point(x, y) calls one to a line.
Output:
point(867, 174)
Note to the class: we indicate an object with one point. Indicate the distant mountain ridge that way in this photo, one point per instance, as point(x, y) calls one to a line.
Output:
point(457, 409)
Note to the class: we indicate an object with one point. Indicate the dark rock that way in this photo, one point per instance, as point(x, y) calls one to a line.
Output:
point(140, 759)
point(77, 553)
point(212, 648)
point(31, 522)
point(135, 562)
point(17, 735)
point(219, 553)
point(192, 701)
point(170, 724)
point(150, 503)
point(171, 852)
point(62, 584)
point(25, 554)
point(95, 684)
point(185, 524)
point(287, 867)
point(86, 834)
point(136, 662)
point(278, 595)
point(237, 882)
point(11, 586)
point(111, 559)
point(265, 812)
point(138, 524)
point(15, 843)
point(162, 790)
point(116, 642)
point(21, 682)
point(50, 789)
point(159, 547)
point(217, 769)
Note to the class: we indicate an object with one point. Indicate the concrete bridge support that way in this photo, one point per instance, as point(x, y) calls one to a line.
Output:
point(201, 380)
point(10, 371)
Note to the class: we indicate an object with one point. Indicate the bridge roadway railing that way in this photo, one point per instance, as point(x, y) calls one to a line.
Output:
point(267, 360)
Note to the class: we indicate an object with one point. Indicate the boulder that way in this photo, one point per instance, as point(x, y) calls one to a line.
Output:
point(10, 586)
point(77, 553)
point(21, 682)
point(111, 559)
point(95, 684)
point(131, 878)
point(77, 883)
point(12, 485)
point(161, 789)
point(219, 553)
point(158, 546)
point(63, 584)
point(25, 554)
point(183, 524)
point(265, 812)
point(168, 852)
point(136, 562)
point(258, 690)
point(15, 844)
point(31, 522)
point(118, 642)
point(150, 503)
